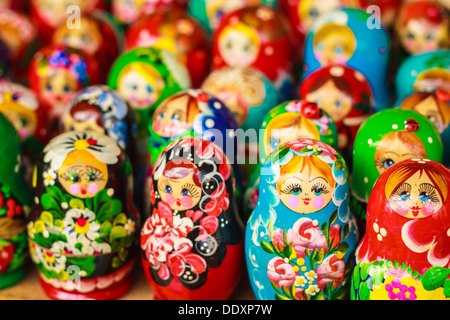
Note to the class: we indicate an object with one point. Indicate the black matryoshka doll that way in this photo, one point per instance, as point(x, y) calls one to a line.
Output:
point(15, 197)
point(192, 242)
point(82, 228)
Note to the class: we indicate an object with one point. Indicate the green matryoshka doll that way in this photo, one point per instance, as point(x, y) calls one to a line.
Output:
point(145, 77)
point(385, 138)
point(15, 199)
point(289, 121)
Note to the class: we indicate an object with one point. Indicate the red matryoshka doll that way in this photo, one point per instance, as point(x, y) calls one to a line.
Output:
point(129, 11)
point(257, 37)
point(47, 15)
point(303, 13)
point(177, 32)
point(405, 252)
point(345, 94)
point(98, 35)
point(192, 242)
point(82, 230)
point(19, 35)
point(56, 73)
point(423, 26)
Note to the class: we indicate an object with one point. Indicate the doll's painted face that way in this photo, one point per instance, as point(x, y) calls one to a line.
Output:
point(217, 9)
point(430, 109)
point(433, 79)
point(310, 10)
point(420, 36)
point(286, 127)
point(127, 11)
point(82, 179)
point(180, 193)
point(139, 88)
point(170, 119)
point(86, 38)
point(334, 44)
point(328, 97)
point(239, 45)
point(22, 118)
point(58, 89)
point(306, 191)
point(398, 146)
point(417, 197)
point(54, 12)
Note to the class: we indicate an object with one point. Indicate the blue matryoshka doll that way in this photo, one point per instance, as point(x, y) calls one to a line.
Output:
point(354, 38)
point(301, 237)
point(250, 96)
point(426, 72)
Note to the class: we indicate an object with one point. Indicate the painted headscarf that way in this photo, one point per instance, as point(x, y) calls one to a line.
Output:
point(201, 234)
point(366, 47)
point(306, 254)
point(420, 241)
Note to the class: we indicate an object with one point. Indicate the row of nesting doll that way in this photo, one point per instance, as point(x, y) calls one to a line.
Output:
point(309, 121)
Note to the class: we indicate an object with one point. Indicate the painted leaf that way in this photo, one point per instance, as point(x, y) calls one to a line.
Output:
point(434, 278)
point(267, 247)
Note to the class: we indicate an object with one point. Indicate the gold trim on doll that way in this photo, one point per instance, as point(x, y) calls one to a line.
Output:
point(306, 184)
point(397, 146)
point(416, 192)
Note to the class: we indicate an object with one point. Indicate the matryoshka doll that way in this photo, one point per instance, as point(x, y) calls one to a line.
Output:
point(345, 94)
point(19, 35)
point(192, 242)
point(82, 230)
point(405, 252)
point(126, 12)
point(427, 72)
point(388, 137)
point(289, 121)
point(211, 12)
point(98, 35)
point(15, 201)
point(387, 10)
point(177, 32)
point(422, 26)
point(303, 13)
point(301, 237)
point(56, 73)
point(258, 37)
point(21, 107)
point(353, 38)
point(250, 96)
point(436, 107)
point(103, 110)
point(47, 15)
point(144, 77)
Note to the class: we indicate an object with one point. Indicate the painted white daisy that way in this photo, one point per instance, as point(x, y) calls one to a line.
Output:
point(49, 177)
point(80, 227)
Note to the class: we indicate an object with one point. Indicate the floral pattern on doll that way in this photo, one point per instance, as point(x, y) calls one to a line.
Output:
point(180, 237)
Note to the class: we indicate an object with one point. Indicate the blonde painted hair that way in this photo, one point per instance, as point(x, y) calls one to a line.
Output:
point(149, 73)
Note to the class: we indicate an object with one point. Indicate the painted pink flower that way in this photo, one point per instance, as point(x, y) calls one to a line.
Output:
point(280, 272)
point(205, 150)
point(220, 200)
point(194, 215)
point(330, 271)
point(182, 256)
point(209, 224)
point(278, 241)
point(335, 236)
point(306, 234)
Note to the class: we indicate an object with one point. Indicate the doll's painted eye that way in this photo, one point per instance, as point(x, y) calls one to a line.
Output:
point(313, 13)
point(149, 89)
point(175, 117)
point(160, 116)
point(338, 104)
point(404, 195)
point(229, 45)
point(424, 196)
point(168, 189)
point(321, 46)
point(185, 192)
point(317, 191)
point(274, 143)
point(296, 190)
point(429, 37)
point(133, 87)
point(247, 48)
point(48, 87)
point(410, 36)
point(388, 162)
point(91, 176)
point(67, 88)
point(23, 122)
point(338, 50)
point(74, 177)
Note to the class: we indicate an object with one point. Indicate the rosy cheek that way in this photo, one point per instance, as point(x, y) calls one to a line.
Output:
point(24, 132)
point(186, 201)
point(74, 189)
point(170, 199)
point(93, 188)
point(318, 202)
point(427, 209)
point(402, 209)
point(409, 43)
point(431, 45)
point(293, 202)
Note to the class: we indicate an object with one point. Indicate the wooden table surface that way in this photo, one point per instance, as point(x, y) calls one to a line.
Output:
point(29, 288)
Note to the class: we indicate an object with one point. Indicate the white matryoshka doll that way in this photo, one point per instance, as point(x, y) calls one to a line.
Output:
point(301, 237)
